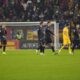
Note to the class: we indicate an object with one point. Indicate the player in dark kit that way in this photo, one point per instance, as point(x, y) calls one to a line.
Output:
point(3, 34)
point(75, 40)
point(41, 39)
point(48, 36)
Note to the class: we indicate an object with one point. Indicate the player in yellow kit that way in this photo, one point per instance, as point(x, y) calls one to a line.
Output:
point(66, 39)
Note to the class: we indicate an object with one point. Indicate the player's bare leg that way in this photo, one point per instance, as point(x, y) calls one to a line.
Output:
point(70, 50)
point(60, 49)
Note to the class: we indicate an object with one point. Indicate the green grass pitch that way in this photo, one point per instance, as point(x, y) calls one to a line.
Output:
point(26, 65)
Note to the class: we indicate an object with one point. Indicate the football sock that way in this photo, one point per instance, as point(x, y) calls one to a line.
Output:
point(70, 51)
point(4, 48)
point(61, 49)
point(52, 48)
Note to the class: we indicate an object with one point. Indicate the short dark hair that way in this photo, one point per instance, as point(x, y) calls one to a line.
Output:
point(41, 22)
point(48, 21)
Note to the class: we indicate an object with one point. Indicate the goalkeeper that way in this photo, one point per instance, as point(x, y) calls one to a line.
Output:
point(66, 39)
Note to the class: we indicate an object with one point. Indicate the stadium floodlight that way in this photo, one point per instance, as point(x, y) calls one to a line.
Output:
point(55, 25)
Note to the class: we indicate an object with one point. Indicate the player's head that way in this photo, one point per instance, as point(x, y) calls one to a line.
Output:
point(67, 23)
point(3, 26)
point(49, 23)
point(72, 24)
point(41, 23)
point(77, 26)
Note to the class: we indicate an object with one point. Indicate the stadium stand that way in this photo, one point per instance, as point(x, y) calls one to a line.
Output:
point(35, 10)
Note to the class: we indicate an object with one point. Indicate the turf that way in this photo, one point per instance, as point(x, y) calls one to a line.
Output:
point(26, 65)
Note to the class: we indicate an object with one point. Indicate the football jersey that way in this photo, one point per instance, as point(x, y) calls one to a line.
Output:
point(65, 32)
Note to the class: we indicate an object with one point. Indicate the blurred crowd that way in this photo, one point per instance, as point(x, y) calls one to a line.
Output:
point(36, 10)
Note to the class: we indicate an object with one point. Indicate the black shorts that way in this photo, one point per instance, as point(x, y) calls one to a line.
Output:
point(48, 41)
point(3, 42)
point(41, 42)
point(76, 42)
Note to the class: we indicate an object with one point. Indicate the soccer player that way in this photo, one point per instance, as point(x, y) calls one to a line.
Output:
point(41, 39)
point(3, 34)
point(75, 40)
point(48, 36)
point(66, 39)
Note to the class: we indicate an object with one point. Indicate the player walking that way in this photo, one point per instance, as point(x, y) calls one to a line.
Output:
point(75, 40)
point(41, 39)
point(66, 39)
point(48, 36)
point(3, 34)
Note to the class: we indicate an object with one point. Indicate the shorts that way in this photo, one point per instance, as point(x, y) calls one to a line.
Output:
point(66, 41)
point(3, 42)
point(41, 42)
point(48, 41)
